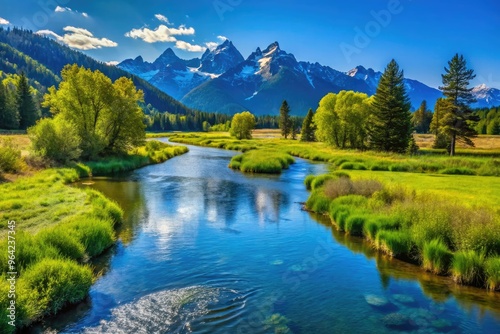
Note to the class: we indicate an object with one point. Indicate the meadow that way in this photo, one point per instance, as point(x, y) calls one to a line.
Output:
point(58, 227)
point(428, 209)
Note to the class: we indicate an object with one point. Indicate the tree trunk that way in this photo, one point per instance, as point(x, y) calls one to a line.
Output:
point(452, 145)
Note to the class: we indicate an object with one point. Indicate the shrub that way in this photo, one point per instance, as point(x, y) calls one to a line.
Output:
point(492, 272)
point(10, 157)
point(436, 256)
point(468, 267)
point(55, 139)
point(52, 284)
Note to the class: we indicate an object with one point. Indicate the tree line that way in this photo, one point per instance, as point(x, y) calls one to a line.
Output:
point(384, 122)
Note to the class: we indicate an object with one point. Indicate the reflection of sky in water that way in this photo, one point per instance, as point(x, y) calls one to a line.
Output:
point(207, 228)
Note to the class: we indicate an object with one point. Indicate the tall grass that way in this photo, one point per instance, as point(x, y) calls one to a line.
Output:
point(468, 267)
point(492, 272)
point(436, 256)
point(256, 161)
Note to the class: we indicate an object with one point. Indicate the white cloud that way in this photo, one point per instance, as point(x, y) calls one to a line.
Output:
point(112, 63)
point(162, 18)
point(161, 34)
point(4, 21)
point(211, 45)
point(222, 38)
point(60, 9)
point(189, 47)
point(79, 38)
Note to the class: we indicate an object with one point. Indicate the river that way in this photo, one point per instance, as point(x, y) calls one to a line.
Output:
point(205, 249)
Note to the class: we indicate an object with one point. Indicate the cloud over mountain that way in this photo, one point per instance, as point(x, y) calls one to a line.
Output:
point(79, 38)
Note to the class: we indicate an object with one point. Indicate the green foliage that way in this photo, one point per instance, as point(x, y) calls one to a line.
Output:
point(52, 284)
point(492, 272)
point(394, 243)
point(66, 244)
point(422, 118)
point(308, 181)
point(341, 119)
point(10, 156)
point(269, 161)
point(318, 202)
point(9, 115)
point(354, 225)
point(55, 139)
point(436, 256)
point(107, 117)
point(95, 234)
point(242, 125)
point(376, 224)
point(308, 128)
point(458, 171)
point(285, 122)
point(27, 109)
point(459, 119)
point(468, 267)
point(390, 125)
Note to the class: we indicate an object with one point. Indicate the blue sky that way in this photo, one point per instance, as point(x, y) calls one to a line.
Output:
point(422, 35)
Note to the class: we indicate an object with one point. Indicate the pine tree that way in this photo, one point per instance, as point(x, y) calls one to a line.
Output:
point(422, 118)
point(285, 120)
point(28, 111)
point(441, 111)
point(9, 117)
point(459, 123)
point(390, 125)
point(307, 133)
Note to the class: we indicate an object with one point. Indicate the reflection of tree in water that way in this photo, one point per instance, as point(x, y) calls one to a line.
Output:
point(438, 288)
point(268, 204)
point(129, 196)
point(220, 199)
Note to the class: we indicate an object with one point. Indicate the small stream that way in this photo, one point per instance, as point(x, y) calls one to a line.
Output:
point(205, 249)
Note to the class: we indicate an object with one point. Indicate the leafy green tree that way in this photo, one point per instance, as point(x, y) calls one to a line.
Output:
point(341, 119)
point(9, 115)
point(459, 123)
point(55, 139)
point(206, 126)
point(308, 128)
point(28, 111)
point(242, 125)
point(390, 125)
point(422, 118)
point(285, 122)
point(106, 115)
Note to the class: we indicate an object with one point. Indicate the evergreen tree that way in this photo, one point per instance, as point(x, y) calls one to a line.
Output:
point(9, 117)
point(441, 110)
point(28, 111)
point(285, 120)
point(459, 123)
point(308, 128)
point(422, 118)
point(390, 127)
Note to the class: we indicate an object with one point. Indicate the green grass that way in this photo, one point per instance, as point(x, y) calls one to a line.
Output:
point(468, 267)
point(492, 272)
point(394, 243)
point(436, 257)
point(261, 161)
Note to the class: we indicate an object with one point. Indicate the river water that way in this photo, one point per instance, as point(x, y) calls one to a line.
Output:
point(205, 249)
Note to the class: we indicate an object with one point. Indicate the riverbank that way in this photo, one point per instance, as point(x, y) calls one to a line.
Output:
point(431, 210)
point(55, 229)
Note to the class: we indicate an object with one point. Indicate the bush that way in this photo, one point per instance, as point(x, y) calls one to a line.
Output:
point(468, 267)
point(492, 272)
point(52, 284)
point(55, 139)
point(436, 256)
point(10, 157)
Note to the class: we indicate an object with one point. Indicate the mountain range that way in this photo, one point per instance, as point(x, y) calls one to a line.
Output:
point(223, 81)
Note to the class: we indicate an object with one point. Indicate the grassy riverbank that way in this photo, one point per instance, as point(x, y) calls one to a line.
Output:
point(58, 228)
point(429, 209)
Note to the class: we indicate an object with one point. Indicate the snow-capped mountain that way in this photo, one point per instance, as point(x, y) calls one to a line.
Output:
point(176, 76)
point(486, 97)
point(223, 81)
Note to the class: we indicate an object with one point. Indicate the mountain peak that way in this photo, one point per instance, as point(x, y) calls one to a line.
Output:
point(222, 58)
point(480, 87)
point(167, 57)
point(271, 49)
